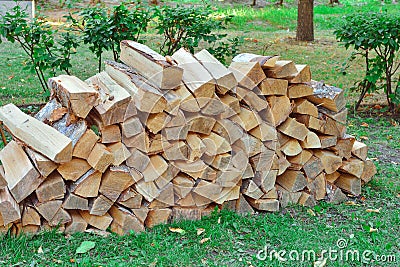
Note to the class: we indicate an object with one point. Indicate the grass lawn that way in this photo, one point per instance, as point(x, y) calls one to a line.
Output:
point(236, 240)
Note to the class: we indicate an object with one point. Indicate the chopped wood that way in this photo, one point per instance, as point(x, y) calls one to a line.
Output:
point(369, 171)
point(176, 133)
point(157, 216)
point(178, 151)
point(201, 124)
point(180, 213)
point(75, 202)
point(3, 182)
point(151, 65)
point(291, 148)
point(40, 137)
point(99, 222)
point(310, 122)
point(110, 134)
point(138, 87)
point(88, 184)
point(120, 152)
point(42, 164)
point(156, 122)
point(329, 160)
point(329, 97)
point(48, 209)
point(317, 186)
point(73, 169)
point(294, 129)
point(9, 209)
point(251, 190)
point(224, 79)
point(77, 223)
point(265, 179)
point(298, 161)
point(328, 141)
point(299, 90)
point(359, 150)
point(303, 74)
point(265, 204)
point(100, 158)
point(115, 180)
point(280, 108)
point(282, 69)
point(311, 141)
point(60, 218)
point(242, 206)
point(100, 205)
point(52, 188)
point(307, 200)
point(138, 160)
point(303, 106)
point(30, 216)
point(353, 166)
point(140, 141)
point(331, 178)
point(349, 183)
point(124, 221)
point(131, 127)
point(313, 167)
point(270, 86)
point(114, 100)
point(335, 195)
point(248, 74)
point(247, 119)
point(344, 146)
point(292, 181)
point(130, 199)
point(195, 76)
point(85, 144)
point(74, 94)
point(21, 176)
point(148, 190)
point(216, 144)
point(265, 61)
point(208, 190)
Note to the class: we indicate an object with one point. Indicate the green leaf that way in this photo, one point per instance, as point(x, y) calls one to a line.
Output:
point(85, 247)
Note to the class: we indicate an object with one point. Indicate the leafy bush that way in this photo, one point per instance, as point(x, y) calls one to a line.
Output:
point(376, 37)
point(186, 27)
point(103, 28)
point(37, 39)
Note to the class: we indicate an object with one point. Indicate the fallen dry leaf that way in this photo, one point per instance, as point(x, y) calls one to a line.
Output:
point(200, 231)
point(11, 77)
point(373, 210)
point(352, 203)
point(204, 240)
point(40, 250)
point(372, 229)
point(219, 220)
point(311, 212)
point(363, 137)
point(177, 230)
point(364, 124)
point(98, 232)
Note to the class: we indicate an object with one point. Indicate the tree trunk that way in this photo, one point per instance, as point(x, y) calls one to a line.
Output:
point(305, 20)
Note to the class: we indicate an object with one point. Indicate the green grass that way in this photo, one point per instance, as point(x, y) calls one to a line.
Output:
point(235, 240)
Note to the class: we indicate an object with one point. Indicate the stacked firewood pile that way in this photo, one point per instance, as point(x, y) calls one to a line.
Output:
point(160, 138)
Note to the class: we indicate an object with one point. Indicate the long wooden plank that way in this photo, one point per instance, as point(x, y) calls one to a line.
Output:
point(36, 134)
point(151, 65)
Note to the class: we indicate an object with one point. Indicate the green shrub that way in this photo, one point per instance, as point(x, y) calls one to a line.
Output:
point(183, 26)
point(376, 37)
point(37, 39)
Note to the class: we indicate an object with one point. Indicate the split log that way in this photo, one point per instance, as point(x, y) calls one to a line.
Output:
point(250, 189)
point(264, 132)
point(120, 153)
point(130, 199)
point(331, 178)
point(60, 218)
point(178, 151)
point(299, 90)
point(21, 176)
point(329, 160)
point(30, 216)
point(242, 206)
point(3, 182)
point(176, 133)
point(265, 179)
point(73, 169)
point(42, 164)
point(208, 190)
point(77, 223)
point(114, 181)
point(317, 186)
point(327, 141)
point(231, 105)
point(265, 204)
point(179, 213)
point(156, 122)
point(369, 171)
point(224, 79)
point(155, 168)
point(100, 205)
point(9, 209)
point(313, 167)
point(310, 122)
point(247, 119)
point(280, 108)
point(100, 158)
point(196, 147)
point(74, 94)
point(215, 144)
point(298, 161)
point(131, 127)
point(87, 185)
point(270, 86)
point(248, 74)
point(147, 98)
point(359, 150)
point(140, 141)
point(75, 202)
point(138, 160)
point(307, 200)
point(311, 141)
point(151, 65)
point(353, 166)
point(265, 61)
point(200, 124)
point(114, 100)
point(197, 79)
point(282, 69)
point(85, 144)
point(52, 188)
point(232, 132)
point(124, 221)
point(110, 134)
point(349, 183)
point(302, 106)
point(327, 96)
point(292, 181)
point(148, 190)
point(344, 146)
point(48, 209)
point(99, 222)
point(40, 137)
point(303, 74)
point(291, 148)
point(157, 216)
point(294, 129)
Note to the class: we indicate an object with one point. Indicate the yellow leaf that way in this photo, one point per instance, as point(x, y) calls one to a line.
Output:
point(363, 138)
point(373, 210)
point(204, 240)
point(177, 230)
point(352, 203)
point(372, 229)
point(311, 212)
point(364, 124)
point(200, 231)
